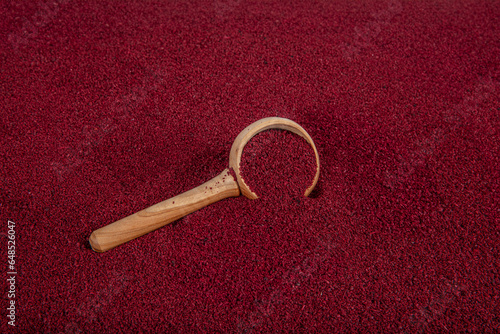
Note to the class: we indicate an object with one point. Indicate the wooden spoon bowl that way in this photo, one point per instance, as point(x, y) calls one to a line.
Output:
point(222, 186)
point(255, 128)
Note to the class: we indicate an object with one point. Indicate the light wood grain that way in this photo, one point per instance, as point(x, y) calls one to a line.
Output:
point(255, 128)
point(222, 186)
point(163, 213)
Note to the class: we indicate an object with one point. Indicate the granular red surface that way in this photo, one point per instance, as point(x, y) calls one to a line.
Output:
point(278, 165)
point(110, 107)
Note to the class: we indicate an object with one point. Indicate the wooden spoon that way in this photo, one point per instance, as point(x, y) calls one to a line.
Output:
point(222, 186)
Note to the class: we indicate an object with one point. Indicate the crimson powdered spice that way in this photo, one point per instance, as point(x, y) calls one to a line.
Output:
point(278, 164)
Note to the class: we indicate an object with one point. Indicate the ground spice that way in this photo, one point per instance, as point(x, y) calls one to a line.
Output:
point(278, 164)
point(401, 235)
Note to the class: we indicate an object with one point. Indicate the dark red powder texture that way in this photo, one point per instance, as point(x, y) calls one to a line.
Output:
point(278, 164)
point(109, 108)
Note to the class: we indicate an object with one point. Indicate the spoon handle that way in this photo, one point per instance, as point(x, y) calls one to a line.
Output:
point(222, 186)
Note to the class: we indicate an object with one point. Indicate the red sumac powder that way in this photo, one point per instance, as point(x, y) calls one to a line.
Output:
point(278, 164)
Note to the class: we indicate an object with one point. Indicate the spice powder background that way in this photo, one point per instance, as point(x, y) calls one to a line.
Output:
point(109, 107)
